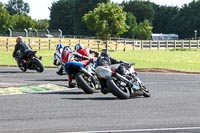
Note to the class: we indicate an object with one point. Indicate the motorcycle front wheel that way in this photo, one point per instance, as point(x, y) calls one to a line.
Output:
point(117, 89)
point(37, 65)
point(146, 92)
point(86, 84)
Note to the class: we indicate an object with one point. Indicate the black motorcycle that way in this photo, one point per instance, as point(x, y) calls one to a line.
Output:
point(30, 61)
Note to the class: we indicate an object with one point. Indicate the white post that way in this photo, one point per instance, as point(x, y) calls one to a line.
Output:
point(26, 32)
point(10, 34)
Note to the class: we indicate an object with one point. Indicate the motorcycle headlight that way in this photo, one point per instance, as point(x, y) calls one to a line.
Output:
point(103, 71)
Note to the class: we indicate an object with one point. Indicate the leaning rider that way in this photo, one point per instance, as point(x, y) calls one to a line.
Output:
point(85, 51)
point(105, 60)
point(21, 46)
point(67, 56)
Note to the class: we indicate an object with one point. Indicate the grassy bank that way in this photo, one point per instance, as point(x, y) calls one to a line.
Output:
point(178, 60)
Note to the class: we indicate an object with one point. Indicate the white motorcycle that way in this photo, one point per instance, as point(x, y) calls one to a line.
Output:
point(57, 59)
point(122, 86)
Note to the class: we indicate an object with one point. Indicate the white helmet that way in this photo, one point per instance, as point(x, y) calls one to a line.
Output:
point(59, 46)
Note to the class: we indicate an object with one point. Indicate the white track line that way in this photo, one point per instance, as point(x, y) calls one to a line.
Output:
point(139, 130)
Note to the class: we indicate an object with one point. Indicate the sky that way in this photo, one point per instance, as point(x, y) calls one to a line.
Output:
point(39, 8)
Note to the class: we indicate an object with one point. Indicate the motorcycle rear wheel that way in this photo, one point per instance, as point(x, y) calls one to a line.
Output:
point(86, 85)
point(116, 89)
point(37, 65)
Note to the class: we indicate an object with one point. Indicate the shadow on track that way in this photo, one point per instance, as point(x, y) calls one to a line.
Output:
point(61, 93)
point(14, 72)
point(49, 80)
point(94, 98)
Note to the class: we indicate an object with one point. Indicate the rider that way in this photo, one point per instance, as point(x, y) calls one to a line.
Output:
point(85, 51)
point(57, 54)
point(67, 56)
point(104, 60)
point(22, 47)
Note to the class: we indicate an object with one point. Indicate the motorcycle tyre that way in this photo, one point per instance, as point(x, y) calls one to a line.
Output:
point(116, 91)
point(84, 85)
point(38, 65)
point(22, 68)
point(146, 93)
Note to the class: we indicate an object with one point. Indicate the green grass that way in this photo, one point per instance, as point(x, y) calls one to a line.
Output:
point(188, 60)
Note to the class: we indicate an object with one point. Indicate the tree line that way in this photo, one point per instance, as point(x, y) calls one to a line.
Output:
point(133, 19)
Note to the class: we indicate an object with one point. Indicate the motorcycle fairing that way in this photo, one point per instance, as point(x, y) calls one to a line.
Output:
point(70, 65)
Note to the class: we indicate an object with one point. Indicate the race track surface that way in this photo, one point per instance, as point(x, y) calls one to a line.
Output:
point(173, 106)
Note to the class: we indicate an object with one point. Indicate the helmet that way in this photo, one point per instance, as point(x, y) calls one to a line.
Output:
point(105, 54)
point(19, 39)
point(78, 47)
point(67, 48)
point(59, 46)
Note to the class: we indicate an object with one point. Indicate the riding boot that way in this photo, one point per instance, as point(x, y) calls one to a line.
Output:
point(71, 85)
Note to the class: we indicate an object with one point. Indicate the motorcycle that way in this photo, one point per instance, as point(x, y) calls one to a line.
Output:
point(57, 59)
point(30, 61)
point(83, 74)
point(122, 86)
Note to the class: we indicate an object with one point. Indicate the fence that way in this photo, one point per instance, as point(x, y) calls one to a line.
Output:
point(8, 43)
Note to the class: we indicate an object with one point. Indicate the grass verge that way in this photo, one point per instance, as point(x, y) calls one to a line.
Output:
point(186, 60)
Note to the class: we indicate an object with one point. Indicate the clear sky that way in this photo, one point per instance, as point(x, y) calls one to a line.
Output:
point(39, 8)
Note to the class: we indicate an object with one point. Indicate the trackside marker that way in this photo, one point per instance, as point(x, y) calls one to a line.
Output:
point(31, 89)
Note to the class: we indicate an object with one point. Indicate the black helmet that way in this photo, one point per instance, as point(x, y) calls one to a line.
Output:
point(105, 54)
point(78, 47)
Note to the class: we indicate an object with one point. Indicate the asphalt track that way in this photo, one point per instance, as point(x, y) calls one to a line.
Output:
point(173, 106)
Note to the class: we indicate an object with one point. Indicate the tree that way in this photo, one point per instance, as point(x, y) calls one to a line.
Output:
point(107, 20)
point(17, 7)
point(144, 30)
point(163, 18)
point(5, 22)
point(62, 16)
point(187, 20)
point(82, 7)
point(67, 15)
point(140, 9)
point(131, 22)
point(42, 24)
point(21, 21)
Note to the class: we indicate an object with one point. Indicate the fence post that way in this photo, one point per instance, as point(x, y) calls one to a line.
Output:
point(116, 46)
point(88, 43)
point(49, 44)
point(69, 42)
point(29, 41)
point(190, 44)
point(133, 45)
point(158, 45)
point(124, 45)
point(182, 44)
point(150, 44)
point(198, 44)
point(39, 45)
point(166, 45)
point(141, 44)
point(7, 45)
point(175, 45)
point(98, 43)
